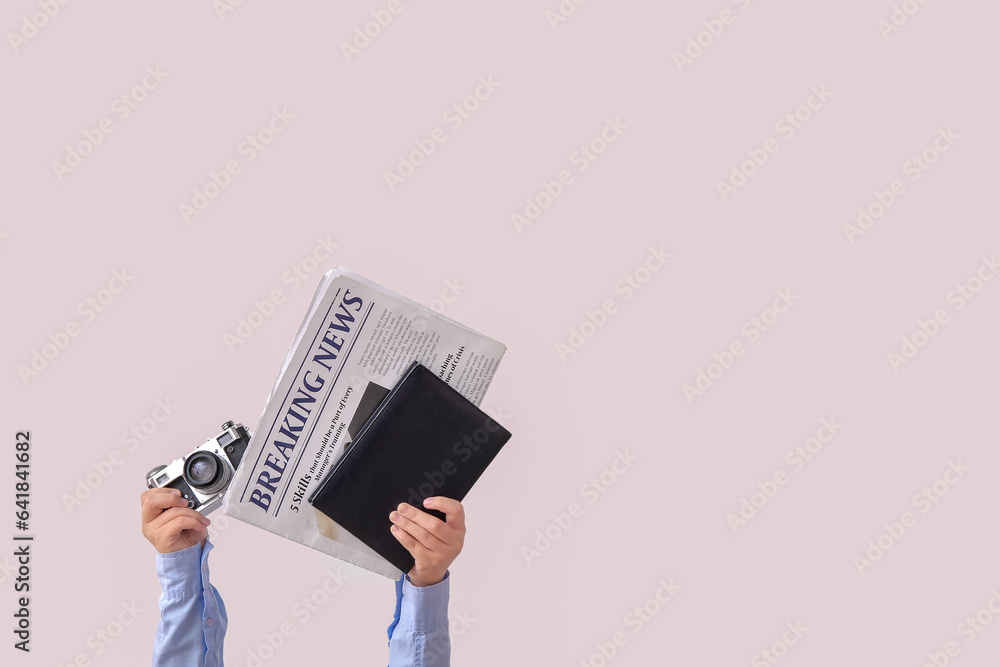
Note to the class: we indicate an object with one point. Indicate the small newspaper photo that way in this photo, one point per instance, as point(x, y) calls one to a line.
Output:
point(355, 342)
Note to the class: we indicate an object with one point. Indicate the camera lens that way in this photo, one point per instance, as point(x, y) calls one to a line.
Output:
point(206, 473)
point(203, 471)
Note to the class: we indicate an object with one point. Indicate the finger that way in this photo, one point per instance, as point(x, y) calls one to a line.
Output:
point(154, 501)
point(152, 495)
point(428, 522)
point(172, 529)
point(172, 513)
point(410, 543)
point(453, 510)
point(430, 541)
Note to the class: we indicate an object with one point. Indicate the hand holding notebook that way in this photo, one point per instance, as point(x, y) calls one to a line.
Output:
point(425, 439)
point(434, 544)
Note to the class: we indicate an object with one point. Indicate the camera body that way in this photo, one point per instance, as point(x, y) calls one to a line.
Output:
point(203, 476)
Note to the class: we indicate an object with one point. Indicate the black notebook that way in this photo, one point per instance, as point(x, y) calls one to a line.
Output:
point(425, 439)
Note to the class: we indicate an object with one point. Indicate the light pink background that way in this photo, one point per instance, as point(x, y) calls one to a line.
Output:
point(655, 185)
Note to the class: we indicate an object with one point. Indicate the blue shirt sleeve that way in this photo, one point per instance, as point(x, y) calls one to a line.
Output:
point(193, 616)
point(418, 636)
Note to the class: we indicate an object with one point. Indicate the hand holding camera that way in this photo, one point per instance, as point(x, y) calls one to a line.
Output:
point(179, 495)
point(203, 476)
point(168, 523)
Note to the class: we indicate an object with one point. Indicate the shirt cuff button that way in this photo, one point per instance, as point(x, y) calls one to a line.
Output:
point(209, 622)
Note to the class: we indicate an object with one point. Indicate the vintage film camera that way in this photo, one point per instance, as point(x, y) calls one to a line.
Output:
point(204, 475)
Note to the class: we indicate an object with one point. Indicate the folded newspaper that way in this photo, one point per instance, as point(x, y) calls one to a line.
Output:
point(356, 340)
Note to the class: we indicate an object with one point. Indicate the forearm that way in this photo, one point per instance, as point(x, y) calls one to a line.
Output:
point(421, 635)
point(193, 616)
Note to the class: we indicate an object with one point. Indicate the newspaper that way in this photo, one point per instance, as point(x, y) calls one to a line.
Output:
point(355, 342)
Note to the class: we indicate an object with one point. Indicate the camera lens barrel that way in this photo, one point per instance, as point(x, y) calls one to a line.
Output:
point(205, 472)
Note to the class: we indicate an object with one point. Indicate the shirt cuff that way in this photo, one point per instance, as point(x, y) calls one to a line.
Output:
point(180, 572)
point(425, 608)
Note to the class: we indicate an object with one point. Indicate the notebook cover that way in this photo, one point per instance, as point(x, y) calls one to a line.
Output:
point(425, 439)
